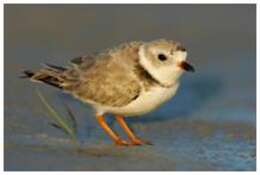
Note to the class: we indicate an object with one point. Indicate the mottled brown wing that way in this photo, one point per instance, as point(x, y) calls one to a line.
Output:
point(108, 82)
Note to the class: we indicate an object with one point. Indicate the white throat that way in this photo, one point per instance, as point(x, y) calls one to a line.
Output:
point(162, 75)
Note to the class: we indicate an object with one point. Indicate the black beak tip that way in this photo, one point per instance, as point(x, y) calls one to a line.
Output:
point(186, 66)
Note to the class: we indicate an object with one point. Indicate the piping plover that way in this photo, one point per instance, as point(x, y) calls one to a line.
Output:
point(129, 80)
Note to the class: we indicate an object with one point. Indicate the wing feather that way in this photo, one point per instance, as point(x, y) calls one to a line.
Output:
point(109, 80)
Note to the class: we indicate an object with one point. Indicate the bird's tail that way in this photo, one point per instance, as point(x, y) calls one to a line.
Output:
point(51, 75)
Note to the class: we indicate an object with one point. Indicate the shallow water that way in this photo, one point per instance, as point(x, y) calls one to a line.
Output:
point(209, 125)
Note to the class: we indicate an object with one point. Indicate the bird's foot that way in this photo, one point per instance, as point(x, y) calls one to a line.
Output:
point(122, 143)
point(138, 141)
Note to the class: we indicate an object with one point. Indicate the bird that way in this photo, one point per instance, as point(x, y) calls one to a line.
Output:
point(128, 80)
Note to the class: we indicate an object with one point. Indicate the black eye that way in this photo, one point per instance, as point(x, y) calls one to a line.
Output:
point(162, 57)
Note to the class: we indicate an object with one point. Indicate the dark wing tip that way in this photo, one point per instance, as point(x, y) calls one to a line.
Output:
point(27, 74)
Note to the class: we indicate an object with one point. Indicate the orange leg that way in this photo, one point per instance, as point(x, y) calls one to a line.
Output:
point(135, 140)
point(110, 132)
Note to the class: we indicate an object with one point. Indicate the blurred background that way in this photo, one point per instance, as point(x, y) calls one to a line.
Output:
point(209, 125)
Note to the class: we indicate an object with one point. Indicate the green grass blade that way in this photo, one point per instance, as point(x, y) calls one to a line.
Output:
point(60, 121)
point(71, 117)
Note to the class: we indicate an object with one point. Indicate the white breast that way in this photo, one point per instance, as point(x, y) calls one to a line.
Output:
point(146, 102)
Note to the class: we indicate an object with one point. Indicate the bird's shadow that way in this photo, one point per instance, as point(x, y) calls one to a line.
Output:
point(192, 95)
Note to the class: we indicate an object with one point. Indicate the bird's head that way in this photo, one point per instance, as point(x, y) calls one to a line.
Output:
point(164, 60)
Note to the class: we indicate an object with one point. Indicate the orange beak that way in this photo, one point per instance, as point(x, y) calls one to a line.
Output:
point(186, 66)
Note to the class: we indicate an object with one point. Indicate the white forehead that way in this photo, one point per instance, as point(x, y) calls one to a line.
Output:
point(180, 55)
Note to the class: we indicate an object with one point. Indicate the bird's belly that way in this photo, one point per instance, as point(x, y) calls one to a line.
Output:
point(146, 102)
